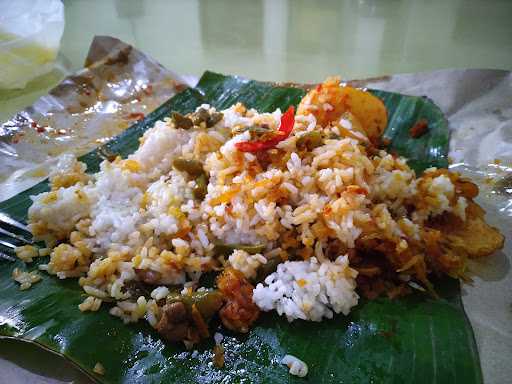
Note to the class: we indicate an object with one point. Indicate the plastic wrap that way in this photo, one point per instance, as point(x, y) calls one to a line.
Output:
point(30, 33)
point(118, 86)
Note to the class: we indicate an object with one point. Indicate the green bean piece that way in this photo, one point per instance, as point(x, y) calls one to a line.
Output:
point(254, 130)
point(201, 188)
point(258, 129)
point(190, 166)
point(200, 116)
point(310, 140)
point(214, 119)
point(181, 121)
point(207, 301)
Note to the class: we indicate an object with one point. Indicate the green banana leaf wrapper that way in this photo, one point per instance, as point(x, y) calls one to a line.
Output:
point(416, 339)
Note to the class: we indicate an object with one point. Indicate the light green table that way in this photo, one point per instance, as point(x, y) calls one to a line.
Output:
point(296, 40)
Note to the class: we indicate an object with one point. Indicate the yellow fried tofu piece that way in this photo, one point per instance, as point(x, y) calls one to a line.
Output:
point(330, 100)
point(474, 237)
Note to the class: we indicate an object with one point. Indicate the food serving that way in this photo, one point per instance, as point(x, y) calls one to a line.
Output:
point(301, 213)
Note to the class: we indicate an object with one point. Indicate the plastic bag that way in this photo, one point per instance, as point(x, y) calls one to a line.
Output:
point(30, 33)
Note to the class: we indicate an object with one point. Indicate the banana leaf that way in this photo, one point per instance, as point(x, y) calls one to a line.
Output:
point(412, 340)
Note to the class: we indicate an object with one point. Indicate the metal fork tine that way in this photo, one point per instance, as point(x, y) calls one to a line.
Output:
point(8, 245)
point(6, 257)
point(8, 220)
point(14, 236)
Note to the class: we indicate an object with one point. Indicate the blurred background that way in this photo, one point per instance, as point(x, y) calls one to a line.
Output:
point(288, 40)
point(300, 40)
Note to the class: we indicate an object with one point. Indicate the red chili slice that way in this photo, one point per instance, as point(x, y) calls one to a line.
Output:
point(285, 128)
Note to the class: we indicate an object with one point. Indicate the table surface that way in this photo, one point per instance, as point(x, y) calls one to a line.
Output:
point(281, 40)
